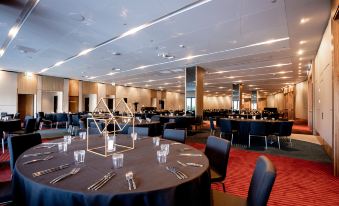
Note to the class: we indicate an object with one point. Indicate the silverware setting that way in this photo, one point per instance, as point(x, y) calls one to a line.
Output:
point(175, 143)
point(180, 175)
point(130, 181)
point(37, 154)
point(190, 155)
point(45, 146)
point(185, 149)
point(61, 177)
point(43, 172)
point(101, 182)
point(190, 164)
point(38, 160)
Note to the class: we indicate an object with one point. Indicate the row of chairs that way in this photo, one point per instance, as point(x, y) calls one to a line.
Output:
point(260, 129)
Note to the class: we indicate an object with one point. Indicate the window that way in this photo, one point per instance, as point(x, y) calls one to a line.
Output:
point(190, 103)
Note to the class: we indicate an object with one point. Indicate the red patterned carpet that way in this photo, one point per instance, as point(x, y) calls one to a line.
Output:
point(298, 182)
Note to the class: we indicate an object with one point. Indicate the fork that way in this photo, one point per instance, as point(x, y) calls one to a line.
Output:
point(130, 180)
point(72, 172)
point(38, 160)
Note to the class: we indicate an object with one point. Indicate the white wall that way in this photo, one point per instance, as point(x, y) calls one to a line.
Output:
point(221, 102)
point(8, 92)
point(323, 88)
point(47, 101)
point(301, 105)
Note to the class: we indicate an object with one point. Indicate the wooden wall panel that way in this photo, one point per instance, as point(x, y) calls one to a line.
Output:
point(335, 42)
point(110, 90)
point(52, 84)
point(27, 84)
point(89, 88)
point(73, 88)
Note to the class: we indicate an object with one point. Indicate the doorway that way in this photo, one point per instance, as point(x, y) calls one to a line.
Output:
point(25, 105)
point(86, 104)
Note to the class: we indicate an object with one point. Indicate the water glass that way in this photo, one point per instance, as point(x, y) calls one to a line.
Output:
point(161, 156)
point(273, 119)
point(165, 148)
point(83, 135)
point(134, 135)
point(79, 156)
point(62, 146)
point(68, 139)
point(156, 141)
point(118, 160)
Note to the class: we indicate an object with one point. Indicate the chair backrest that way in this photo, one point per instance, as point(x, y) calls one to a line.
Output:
point(3, 114)
point(262, 182)
point(27, 117)
point(17, 116)
point(155, 118)
point(259, 128)
point(182, 122)
point(18, 144)
point(212, 123)
point(285, 128)
point(141, 131)
point(30, 125)
point(169, 125)
point(225, 126)
point(175, 135)
point(217, 151)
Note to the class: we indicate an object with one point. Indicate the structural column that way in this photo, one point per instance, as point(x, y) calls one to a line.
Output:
point(237, 97)
point(194, 90)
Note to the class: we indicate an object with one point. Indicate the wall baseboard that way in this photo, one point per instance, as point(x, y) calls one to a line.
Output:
point(326, 147)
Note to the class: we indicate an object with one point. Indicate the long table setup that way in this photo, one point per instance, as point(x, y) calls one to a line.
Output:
point(155, 183)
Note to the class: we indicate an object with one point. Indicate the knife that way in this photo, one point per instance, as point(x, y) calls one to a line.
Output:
point(43, 172)
point(190, 155)
point(194, 164)
point(37, 154)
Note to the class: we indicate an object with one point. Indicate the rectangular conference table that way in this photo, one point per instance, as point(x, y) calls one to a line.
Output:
point(155, 185)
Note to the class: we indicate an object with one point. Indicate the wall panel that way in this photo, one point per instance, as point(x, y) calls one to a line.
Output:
point(89, 88)
point(73, 88)
point(54, 84)
point(26, 84)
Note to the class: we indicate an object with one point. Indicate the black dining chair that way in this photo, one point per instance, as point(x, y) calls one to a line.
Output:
point(198, 122)
point(258, 129)
point(5, 193)
point(283, 129)
point(30, 127)
point(260, 187)
point(212, 127)
point(226, 128)
point(175, 135)
point(217, 151)
point(142, 131)
point(155, 118)
point(18, 144)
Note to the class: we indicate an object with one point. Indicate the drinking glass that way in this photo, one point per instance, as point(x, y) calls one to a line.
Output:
point(161, 156)
point(79, 156)
point(156, 141)
point(118, 160)
point(134, 135)
point(62, 146)
point(83, 135)
point(165, 148)
point(68, 139)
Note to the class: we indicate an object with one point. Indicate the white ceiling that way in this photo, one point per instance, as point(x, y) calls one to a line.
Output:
point(222, 36)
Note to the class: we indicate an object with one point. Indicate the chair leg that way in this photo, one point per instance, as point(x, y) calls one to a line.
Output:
point(249, 141)
point(3, 145)
point(278, 142)
point(220, 134)
point(223, 186)
point(265, 142)
point(232, 139)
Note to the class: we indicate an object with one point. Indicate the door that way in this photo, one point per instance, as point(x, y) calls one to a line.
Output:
point(25, 105)
point(86, 104)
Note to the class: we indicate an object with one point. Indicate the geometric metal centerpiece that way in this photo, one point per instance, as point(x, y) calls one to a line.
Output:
point(116, 119)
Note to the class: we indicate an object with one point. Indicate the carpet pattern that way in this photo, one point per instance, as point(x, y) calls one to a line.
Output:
point(298, 182)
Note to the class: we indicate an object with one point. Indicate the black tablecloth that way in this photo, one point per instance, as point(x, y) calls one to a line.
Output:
point(156, 186)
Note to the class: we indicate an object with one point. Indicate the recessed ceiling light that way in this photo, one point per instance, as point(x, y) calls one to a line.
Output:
point(182, 46)
point(302, 42)
point(299, 63)
point(179, 77)
point(111, 73)
point(129, 83)
point(221, 87)
point(300, 58)
point(28, 74)
point(166, 83)
point(300, 52)
point(147, 85)
point(116, 53)
point(44, 70)
point(92, 77)
point(151, 80)
point(113, 83)
point(304, 20)
point(58, 63)
point(282, 72)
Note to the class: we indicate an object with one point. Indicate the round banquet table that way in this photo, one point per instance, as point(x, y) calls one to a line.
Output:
point(155, 185)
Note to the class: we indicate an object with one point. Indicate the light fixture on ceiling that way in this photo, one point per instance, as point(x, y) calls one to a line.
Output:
point(300, 52)
point(166, 56)
point(302, 42)
point(182, 46)
point(44, 70)
point(2, 51)
point(151, 80)
point(116, 53)
point(58, 63)
point(166, 83)
point(92, 77)
point(147, 85)
point(113, 83)
point(13, 31)
point(129, 83)
point(28, 74)
point(299, 63)
point(86, 51)
point(111, 73)
point(221, 87)
point(300, 58)
point(304, 20)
